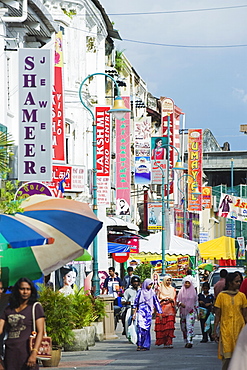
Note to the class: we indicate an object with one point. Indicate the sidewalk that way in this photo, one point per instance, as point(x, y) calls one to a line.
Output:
point(120, 354)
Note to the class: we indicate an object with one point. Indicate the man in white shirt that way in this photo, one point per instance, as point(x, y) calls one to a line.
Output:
point(129, 299)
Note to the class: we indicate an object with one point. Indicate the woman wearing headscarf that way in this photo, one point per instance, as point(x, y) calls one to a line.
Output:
point(231, 314)
point(145, 302)
point(188, 304)
point(165, 324)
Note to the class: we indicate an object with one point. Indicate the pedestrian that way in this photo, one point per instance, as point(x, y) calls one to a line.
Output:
point(127, 278)
point(194, 282)
point(19, 324)
point(205, 301)
point(112, 284)
point(128, 301)
point(4, 300)
point(220, 285)
point(239, 357)
point(231, 314)
point(188, 305)
point(145, 302)
point(243, 287)
point(165, 324)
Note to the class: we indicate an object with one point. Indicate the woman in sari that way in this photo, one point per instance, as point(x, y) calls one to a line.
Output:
point(145, 302)
point(188, 304)
point(165, 325)
point(231, 314)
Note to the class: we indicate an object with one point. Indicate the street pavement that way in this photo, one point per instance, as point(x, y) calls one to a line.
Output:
point(119, 354)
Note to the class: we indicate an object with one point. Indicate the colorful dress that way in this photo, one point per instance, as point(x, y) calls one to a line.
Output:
point(144, 317)
point(19, 326)
point(231, 321)
point(165, 326)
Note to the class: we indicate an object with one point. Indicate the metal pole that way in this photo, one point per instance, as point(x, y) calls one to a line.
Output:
point(95, 279)
point(168, 161)
point(163, 231)
point(232, 191)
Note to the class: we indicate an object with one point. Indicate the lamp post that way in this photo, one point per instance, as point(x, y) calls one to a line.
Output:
point(119, 110)
point(163, 229)
point(195, 192)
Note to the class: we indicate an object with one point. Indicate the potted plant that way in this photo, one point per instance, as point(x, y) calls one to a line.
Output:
point(84, 333)
point(60, 315)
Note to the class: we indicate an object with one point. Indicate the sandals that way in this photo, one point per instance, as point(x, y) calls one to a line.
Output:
point(138, 348)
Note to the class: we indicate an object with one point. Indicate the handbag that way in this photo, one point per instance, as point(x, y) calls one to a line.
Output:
point(45, 348)
point(202, 313)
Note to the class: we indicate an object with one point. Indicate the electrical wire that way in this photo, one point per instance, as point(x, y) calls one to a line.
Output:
point(186, 46)
point(181, 11)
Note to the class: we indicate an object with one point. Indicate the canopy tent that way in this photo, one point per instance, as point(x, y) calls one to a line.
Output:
point(177, 246)
point(220, 248)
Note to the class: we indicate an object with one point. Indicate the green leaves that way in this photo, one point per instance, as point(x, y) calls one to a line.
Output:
point(143, 271)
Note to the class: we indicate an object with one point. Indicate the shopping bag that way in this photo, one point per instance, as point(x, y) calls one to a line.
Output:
point(209, 322)
point(132, 333)
point(202, 313)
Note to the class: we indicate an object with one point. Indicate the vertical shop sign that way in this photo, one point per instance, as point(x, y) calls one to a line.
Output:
point(35, 87)
point(155, 216)
point(207, 197)
point(194, 169)
point(103, 155)
point(159, 158)
point(123, 162)
point(143, 151)
point(58, 152)
point(167, 110)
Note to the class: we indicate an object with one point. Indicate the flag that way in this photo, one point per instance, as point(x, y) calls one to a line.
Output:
point(61, 184)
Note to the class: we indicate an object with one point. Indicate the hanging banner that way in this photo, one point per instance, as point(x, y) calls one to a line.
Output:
point(179, 222)
point(123, 163)
point(233, 207)
point(103, 156)
point(207, 197)
point(35, 88)
point(142, 151)
point(241, 248)
point(159, 158)
point(58, 152)
point(155, 215)
point(194, 169)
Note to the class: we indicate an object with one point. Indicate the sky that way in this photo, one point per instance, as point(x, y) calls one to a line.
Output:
point(208, 84)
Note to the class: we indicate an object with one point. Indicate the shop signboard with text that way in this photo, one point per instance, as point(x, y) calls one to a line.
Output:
point(195, 156)
point(74, 178)
point(35, 115)
point(123, 162)
point(103, 155)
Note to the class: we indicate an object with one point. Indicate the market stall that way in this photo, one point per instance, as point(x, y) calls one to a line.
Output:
point(221, 249)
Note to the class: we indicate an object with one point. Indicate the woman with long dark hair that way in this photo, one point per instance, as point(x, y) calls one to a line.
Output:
point(231, 314)
point(17, 318)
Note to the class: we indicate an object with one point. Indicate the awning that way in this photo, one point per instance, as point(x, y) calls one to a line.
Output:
point(178, 246)
point(116, 221)
point(118, 248)
point(149, 257)
point(220, 248)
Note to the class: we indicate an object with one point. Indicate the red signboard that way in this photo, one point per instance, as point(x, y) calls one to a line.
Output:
point(194, 169)
point(57, 105)
point(75, 178)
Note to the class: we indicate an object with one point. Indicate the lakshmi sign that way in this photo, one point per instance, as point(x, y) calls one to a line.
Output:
point(194, 169)
point(34, 159)
point(103, 154)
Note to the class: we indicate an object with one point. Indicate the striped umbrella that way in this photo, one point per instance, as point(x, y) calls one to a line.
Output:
point(70, 224)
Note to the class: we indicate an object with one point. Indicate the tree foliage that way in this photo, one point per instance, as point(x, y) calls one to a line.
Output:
point(143, 271)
